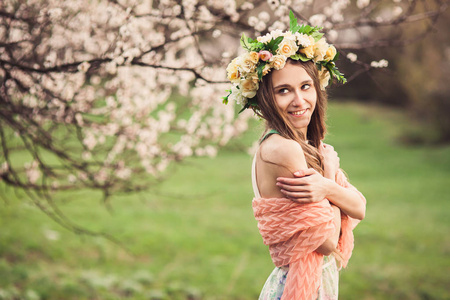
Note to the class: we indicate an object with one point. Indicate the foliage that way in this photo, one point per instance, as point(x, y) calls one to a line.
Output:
point(87, 87)
point(202, 240)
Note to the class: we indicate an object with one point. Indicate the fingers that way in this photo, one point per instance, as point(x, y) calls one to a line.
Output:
point(307, 172)
point(298, 197)
point(291, 181)
point(292, 187)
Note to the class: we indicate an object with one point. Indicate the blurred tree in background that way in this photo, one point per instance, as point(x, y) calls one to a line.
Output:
point(417, 77)
point(106, 94)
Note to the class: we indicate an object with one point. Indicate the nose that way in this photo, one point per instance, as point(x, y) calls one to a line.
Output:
point(298, 99)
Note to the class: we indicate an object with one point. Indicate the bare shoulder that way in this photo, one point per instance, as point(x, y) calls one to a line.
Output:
point(284, 152)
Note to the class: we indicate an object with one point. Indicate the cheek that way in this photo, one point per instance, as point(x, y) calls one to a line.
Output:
point(282, 102)
point(313, 101)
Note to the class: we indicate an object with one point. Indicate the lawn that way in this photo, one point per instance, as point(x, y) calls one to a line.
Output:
point(194, 235)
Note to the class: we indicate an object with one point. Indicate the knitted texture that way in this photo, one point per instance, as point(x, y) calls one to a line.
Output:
point(294, 231)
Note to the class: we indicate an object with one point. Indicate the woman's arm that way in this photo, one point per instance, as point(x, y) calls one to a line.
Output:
point(281, 157)
point(331, 243)
point(309, 186)
point(349, 200)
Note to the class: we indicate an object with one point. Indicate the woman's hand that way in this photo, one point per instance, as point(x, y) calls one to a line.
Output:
point(330, 160)
point(308, 186)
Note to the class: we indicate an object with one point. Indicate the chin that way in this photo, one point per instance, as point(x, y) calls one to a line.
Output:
point(301, 126)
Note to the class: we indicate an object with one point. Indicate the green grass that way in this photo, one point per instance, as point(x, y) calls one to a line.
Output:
point(194, 236)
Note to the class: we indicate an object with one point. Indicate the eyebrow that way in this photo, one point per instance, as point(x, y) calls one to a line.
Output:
point(288, 85)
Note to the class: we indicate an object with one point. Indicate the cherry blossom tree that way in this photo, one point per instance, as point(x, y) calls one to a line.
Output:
point(106, 94)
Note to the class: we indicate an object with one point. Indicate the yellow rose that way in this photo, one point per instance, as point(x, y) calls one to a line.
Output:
point(232, 71)
point(320, 49)
point(249, 87)
point(287, 48)
point(308, 51)
point(253, 56)
point(324, 77)
point(330, 54)
point(277, 62)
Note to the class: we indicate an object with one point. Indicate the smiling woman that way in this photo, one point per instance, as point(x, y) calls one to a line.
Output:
point(308, 216)
point(295, 94)
point(305, 207)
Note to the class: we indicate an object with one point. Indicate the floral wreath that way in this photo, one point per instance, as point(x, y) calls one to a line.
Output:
point(271, 51)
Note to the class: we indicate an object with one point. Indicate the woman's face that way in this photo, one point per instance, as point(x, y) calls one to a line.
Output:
point(295, 95)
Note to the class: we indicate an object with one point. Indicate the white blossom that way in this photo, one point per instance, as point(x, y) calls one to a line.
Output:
point(352, 57)
point(362, 3)
point(247, 6)
point(137, 86)
point(252, 21)
point(4, 168)
point(32, 171)
point(273, 4)
point(216, 33)
point(317, 20)
point(264, 16)
point(379, 64)
point(84, 67)
point(260, 26)
point(397, 11)
point(51, 235)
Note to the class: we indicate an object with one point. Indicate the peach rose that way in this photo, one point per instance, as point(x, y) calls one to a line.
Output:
point(253, 56)
point(249, 88)
point(287, 48)
point(278, 61)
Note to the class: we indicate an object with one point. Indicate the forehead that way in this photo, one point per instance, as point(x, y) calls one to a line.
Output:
point(291, 74)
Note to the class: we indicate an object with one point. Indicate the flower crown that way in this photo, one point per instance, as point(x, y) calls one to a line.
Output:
point(271, 51)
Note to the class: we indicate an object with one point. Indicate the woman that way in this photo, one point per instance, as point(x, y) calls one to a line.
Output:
point(305, 207)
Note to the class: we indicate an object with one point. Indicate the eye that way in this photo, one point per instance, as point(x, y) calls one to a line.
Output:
point(283, 91)
point(306, 86)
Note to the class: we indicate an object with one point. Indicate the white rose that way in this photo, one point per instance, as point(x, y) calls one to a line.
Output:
point(265, 38)
point(303, 39)
point(247, 63)
point(236, 95)
point(277, 33)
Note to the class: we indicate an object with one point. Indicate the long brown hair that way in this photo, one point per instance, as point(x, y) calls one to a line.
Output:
point(275, 119)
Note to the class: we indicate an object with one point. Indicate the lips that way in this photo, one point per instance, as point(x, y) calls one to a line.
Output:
point(298, 113)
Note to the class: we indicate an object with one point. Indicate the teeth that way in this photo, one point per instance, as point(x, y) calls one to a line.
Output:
point(298, 113)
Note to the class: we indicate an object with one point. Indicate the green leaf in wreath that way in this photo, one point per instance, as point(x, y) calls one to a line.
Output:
point(245, 42)
point(336, 57)
point(293, 23)
point(300, 56)
point(317, 36)
point(260, 68)
point(273, 44)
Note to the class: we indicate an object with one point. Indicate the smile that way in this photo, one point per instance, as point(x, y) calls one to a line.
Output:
point(298, 112)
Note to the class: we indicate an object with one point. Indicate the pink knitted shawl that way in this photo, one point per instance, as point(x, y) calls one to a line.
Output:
point(294, 231)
